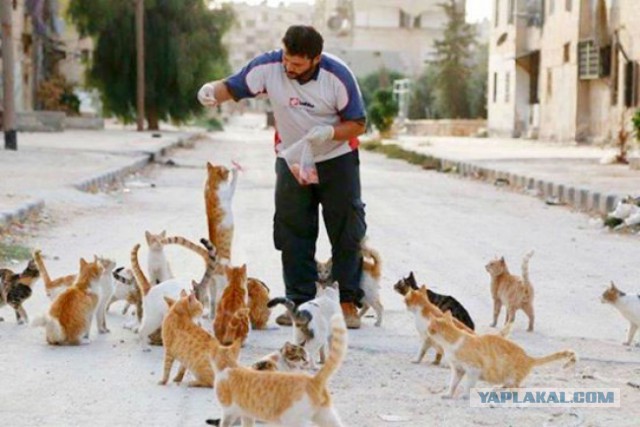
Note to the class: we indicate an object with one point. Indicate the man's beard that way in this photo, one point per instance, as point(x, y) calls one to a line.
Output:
point(304, 76)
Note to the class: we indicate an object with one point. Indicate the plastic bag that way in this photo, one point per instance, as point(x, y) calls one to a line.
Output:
point(299, 158)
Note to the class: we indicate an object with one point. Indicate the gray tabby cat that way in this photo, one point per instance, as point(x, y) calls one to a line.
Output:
point(16, 289)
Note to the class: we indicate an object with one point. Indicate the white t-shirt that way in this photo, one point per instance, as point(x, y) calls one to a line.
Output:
point(331, 96)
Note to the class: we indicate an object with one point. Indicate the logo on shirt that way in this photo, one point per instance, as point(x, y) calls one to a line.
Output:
point(296, 102)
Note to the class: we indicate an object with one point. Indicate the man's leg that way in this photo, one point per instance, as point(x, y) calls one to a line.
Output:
point(295, 231)
point(343, 214)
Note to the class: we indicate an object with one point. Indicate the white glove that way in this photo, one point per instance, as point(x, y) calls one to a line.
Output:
point(320, 134)
point(206, 95)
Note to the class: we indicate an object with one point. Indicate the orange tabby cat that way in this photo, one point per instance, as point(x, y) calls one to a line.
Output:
point(187, 342)
point(258, 298)
point(238, 327)
point(233, 299)
point(491, 358)
point(424, 311)
point(514, 292)
point(69, 319)
point(218, 196)
point(283, 398)
point(53, 288)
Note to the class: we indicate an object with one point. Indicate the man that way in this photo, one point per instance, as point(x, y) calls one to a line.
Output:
point(314, 96)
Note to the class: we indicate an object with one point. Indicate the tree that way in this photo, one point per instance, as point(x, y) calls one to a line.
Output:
point(383, 110)
point(183, 49)
point(381, 79)
point(423, 103)
point(478, 82)
point(452, 62)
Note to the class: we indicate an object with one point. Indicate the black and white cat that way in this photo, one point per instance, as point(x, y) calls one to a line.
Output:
point(289, 358)
point(15, 289)
point(312, 320)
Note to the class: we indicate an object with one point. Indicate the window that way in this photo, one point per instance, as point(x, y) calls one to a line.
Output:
point(552, 6)
point(417, 21)
point(512, 11)
point(588, 60)
point(566, 56)
point(495, 87)
point(507, 87)
point(567, 5)
point(497, 13)
point(549, 82)
point(631, 84)
point(251, 23)
point(405, 19)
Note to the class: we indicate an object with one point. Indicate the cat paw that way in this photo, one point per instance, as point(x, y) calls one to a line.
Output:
point(446, 397)
point(104, 331)
point(625, 343)
point(416, 361)
point(146, 349)
point(162, 382)
point(492, 324)
point(20, 322)
point(85, 341)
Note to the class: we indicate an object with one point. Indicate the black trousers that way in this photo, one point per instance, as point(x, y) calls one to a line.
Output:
point(295, 229)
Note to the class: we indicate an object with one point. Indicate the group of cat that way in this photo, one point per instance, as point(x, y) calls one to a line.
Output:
point(275, 388)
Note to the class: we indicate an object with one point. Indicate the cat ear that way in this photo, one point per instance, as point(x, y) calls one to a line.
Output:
point(163, 234)
point(423, 288)
point(335, 285)
point(209, 167)
point(192, 298)
point(244, 268)
point(502, 260)
point(183, 293)
point(83, 263)
point(613, 285)
point(147, 236)
point(169, 301)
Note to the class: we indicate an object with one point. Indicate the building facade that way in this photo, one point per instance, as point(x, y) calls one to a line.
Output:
point(563, 70)
point(371, 34)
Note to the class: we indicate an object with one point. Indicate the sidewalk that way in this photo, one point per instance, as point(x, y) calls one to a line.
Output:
point(46, 163)
point(571, 173)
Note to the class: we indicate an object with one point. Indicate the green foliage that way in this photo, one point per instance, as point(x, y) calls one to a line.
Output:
point(423, 102)
point(381, 79)
point(12, 251)
point(453, 64)
point(383, 110)
point(635, 120)
point(183, 49)
point(477, 88)
point(394, 151)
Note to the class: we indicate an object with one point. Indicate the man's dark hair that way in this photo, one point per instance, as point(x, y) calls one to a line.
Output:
point(303, 40)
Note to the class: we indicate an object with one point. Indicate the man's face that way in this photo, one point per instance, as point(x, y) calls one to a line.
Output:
point(299, 67)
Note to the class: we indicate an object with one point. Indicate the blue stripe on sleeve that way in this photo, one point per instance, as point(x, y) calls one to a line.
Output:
point(237, 83)
point(354, 110)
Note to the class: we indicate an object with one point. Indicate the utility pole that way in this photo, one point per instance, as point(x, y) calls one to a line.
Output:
point(140, 63)
point(9, 116)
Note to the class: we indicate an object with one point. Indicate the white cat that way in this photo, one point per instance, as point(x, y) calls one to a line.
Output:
point(157, 263)
point(106, 291)
point(154, 306)
point(124, 284)
point(311, 320)
point(628, 305)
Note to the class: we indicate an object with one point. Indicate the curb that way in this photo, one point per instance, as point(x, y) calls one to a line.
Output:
point(117, 174)
point(21, 213)
point(581, 199)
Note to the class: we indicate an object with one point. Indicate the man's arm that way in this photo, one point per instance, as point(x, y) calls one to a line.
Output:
point(214, 93)
point(349, 129)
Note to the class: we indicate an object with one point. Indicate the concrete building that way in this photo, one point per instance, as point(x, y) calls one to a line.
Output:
point(563, 69)
point(259, 28)
point(370, 34)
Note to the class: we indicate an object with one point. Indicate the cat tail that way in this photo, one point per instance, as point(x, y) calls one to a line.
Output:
point(338, 349)
point(37, 258)
point(55, 334)
point(289, 305)
point(186, 243)
point(568, 354)
point(120, 278)
point(373, 254)
point(141, 279)
point(525, 269)
point(506, 331)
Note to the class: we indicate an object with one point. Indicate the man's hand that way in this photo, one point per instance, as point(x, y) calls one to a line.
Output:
point(320, 134)
point(207, 96)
